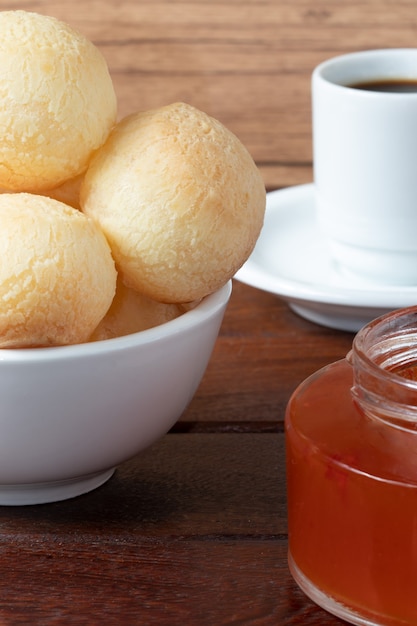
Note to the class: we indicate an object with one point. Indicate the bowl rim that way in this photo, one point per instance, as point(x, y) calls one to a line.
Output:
point(209, 306)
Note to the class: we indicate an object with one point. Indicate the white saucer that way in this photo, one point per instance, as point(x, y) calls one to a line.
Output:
point(290, 260)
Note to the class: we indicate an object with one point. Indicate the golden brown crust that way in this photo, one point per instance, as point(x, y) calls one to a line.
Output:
point(57, 275)
point(57, 101)
point(179, 199)
point(131, 312)
point(68, 192)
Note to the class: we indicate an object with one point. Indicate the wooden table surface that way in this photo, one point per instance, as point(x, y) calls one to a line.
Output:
point(194, 530)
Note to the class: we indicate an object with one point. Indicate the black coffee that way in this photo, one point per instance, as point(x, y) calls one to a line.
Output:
point(388, 85)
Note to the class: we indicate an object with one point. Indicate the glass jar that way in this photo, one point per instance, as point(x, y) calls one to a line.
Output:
point(351, 441)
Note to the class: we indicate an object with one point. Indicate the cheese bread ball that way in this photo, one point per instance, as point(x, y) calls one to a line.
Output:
point(57, 275)
point(131, 312)
point(68, 192)
point(57, 101)
point(180, 200)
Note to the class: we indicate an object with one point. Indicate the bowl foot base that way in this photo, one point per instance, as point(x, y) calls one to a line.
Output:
point(42, 493)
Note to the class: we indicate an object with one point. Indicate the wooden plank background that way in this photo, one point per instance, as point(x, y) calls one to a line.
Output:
point(203, 512)
point(246, 62)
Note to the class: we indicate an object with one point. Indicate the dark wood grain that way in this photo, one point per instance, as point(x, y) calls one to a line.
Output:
point(172, 583)
point(193, 532)
point(272, 349)
point(187, 485)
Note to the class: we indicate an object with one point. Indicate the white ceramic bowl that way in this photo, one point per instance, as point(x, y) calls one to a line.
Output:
point(70, 415)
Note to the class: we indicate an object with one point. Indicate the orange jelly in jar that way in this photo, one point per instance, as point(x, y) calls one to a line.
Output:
point(351, 440)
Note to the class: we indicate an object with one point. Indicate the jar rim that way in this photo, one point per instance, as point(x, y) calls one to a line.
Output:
point(387, 342)
point(381, 351)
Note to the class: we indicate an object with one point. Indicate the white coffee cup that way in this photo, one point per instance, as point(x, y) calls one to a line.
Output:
point(365, 164)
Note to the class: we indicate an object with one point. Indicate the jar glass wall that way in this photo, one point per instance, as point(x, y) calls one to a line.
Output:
point(351, 437)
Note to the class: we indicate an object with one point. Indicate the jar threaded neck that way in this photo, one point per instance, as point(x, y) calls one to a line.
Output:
point(381, 352)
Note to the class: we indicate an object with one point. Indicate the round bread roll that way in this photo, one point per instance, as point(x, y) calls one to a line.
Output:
point(68, 192)
point(57, 275)
point(179, 199)
point(131, 312)
point(57, 101)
